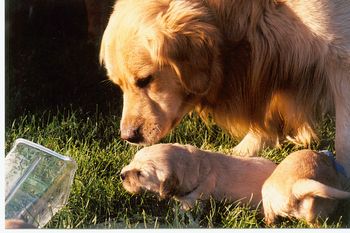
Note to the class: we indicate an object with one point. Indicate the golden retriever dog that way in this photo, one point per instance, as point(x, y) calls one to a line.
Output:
point(305, 185)
point(263, 70)
point(189, 174)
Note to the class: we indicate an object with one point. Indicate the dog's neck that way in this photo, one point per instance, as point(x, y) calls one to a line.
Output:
point(240, 15)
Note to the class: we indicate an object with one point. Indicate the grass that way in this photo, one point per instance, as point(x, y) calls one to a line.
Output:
point(97, 198)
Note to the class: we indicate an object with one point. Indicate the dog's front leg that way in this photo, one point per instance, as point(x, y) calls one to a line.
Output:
point(342, 128)
point(342, 135)
point(250, 145)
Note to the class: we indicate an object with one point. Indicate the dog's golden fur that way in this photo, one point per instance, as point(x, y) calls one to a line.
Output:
point(190, 174)
point(304, 185)
point(267, 69)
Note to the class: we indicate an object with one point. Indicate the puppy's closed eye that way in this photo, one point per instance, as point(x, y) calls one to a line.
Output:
point(138, 173)
point(132, 173)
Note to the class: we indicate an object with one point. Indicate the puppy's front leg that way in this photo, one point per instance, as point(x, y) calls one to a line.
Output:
point(187, 204)
point(269, 214)
point(270, 218)
point(188, 201)
point(202, 192)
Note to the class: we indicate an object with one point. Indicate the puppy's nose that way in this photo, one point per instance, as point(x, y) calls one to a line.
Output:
point(132, 134)
point(123, 176)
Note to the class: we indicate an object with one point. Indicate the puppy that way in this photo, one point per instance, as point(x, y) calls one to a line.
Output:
point(305, 185)
point(188, 174)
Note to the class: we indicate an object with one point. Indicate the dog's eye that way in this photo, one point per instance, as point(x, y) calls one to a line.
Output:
point(143, 82)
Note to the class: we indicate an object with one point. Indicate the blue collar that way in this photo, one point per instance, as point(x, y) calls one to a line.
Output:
point(339, 168)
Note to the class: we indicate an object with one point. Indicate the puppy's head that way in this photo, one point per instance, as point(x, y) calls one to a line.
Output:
point(163, 55)
point(153, 169)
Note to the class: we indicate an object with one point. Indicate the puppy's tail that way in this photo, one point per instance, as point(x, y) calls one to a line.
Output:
point(309, 187)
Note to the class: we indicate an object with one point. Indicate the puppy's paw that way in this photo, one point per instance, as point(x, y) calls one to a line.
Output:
point(270, 221)
point(187, 205)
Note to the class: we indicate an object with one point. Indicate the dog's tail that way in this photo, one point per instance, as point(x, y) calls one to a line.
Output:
point(309, 187)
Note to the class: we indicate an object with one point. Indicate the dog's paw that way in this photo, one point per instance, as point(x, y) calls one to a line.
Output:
point(250, 145)
point(245, 149)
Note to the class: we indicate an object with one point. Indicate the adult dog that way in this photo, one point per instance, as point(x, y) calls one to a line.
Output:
point(263, 70)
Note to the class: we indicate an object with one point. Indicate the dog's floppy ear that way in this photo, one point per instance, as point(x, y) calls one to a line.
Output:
point(188, 42)
point(169, 186)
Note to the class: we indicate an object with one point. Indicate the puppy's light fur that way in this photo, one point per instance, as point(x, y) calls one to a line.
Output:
point(190, 174)
point(264, 70)
point(304, 185)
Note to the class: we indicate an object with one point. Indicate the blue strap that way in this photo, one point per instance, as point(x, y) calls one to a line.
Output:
point(339, 168)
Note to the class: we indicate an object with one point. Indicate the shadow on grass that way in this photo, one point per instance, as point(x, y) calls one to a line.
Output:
point(50, 63)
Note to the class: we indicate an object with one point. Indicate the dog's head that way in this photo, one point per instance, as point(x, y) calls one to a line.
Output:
point(163, 55)
point(154, 169)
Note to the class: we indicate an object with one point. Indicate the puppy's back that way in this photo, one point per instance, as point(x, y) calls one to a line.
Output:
point(239, 178)
point(305, 164)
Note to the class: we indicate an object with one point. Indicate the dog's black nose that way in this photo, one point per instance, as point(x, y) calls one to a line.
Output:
point(132, 134)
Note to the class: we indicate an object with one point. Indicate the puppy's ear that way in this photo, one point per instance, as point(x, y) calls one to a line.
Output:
point(189, 42)
point(169, 187)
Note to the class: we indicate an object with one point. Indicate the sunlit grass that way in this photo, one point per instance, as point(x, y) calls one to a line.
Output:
point(97, 198)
